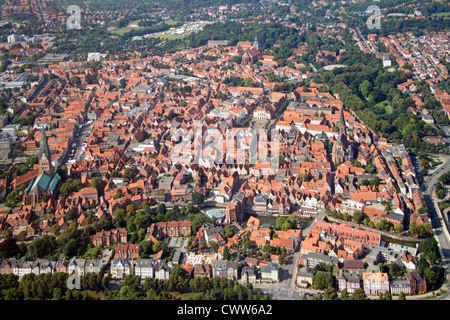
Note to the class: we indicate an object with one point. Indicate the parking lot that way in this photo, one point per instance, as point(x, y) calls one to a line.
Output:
point(178, 243)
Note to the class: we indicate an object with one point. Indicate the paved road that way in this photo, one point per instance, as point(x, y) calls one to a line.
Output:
point(438, 221)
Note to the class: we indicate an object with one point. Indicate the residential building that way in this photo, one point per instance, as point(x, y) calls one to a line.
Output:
point(312, 259)
point(203, 270)
point(127, 251)
point(225, 269)
point(416, 282)
point(105, 238)
point(304, 277)
point(270, 273)
point(249, 275)
point(93, 266)
point(368, 238)
point(121, 267)
point(144, 268)
point(348, 280)
point(400, 285)
point(162, 270)
point(375, 283)
point(158, 231)
point(76, 265)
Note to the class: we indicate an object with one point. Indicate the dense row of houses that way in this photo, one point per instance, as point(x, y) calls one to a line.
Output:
point(353, 275)
point(22, 267)
point(161, 269)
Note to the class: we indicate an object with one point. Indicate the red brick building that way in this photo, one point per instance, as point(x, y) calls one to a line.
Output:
point(106, 238)
point(127, 251)
point(159, 230)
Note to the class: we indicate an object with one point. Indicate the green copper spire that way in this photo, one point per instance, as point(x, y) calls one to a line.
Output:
point(43, 147)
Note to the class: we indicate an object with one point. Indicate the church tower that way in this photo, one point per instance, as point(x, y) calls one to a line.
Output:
point(256, 43)
point(44, 156)
point(339, 153)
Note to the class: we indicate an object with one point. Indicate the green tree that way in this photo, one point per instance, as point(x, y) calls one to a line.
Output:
point(128, 173)
point(431, 278)
point(365, 88)
point(358, 216)
point(7, 234)
point(430, 249)
point(226, 253)
point(345, 295)
point(321, 280)
point(359, 294)
point(198, 198)
point(422, 265)
point(8, 248)
point(330, 293)
point(96, 183)
point(22, 235)
point(54, 229)
point(248, 82)
point(399, 228)
point(159, 245)
point(387, 296)
point(229, 231)
point(32, 160)
point(42, 246)
point(214, 246)
point(440, 194)
point(74, 80)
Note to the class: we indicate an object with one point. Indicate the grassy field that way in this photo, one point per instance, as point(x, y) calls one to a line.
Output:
point(169, 22)
point(385, 105)
point(441, 14)
point(124, 30)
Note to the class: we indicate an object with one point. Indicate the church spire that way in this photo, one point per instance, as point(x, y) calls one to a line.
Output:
point(43, 147)
point(44, 156)
point(256, 43)
point(342, 126)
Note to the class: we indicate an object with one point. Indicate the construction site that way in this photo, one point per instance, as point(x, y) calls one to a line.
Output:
point(202, 258)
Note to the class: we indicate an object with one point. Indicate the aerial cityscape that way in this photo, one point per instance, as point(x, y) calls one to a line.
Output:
point(224, 150)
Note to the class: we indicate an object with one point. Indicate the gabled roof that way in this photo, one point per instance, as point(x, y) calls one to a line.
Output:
point(40, 184)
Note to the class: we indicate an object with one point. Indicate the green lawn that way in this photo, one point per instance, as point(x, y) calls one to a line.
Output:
point(441, 14)
point(169, 22)
point(123, 30)
point(384, 104)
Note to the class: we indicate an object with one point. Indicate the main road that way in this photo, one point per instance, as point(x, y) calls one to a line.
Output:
point(438, 221)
